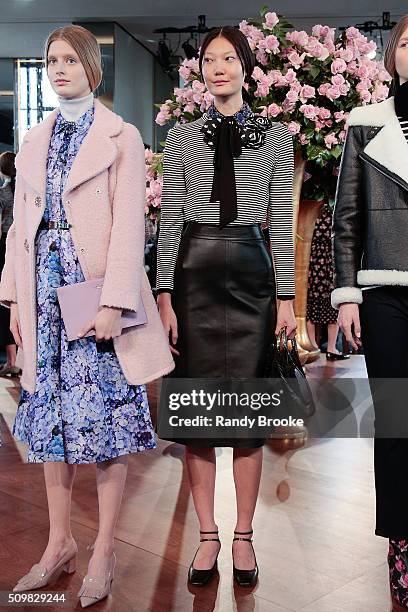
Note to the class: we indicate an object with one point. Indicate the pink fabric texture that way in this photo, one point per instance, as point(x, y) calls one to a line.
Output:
point(104, 201)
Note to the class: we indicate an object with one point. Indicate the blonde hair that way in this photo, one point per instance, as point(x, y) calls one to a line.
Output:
point(391, 48)
point(85, 45)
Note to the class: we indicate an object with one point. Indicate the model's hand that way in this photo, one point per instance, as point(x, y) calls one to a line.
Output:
point(349, 315)
point(107, 324)
point(15, 324)
point(169, 320)
point(286, 318)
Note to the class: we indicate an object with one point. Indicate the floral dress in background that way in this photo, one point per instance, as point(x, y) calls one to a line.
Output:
point(320, 279)
point(83, 410)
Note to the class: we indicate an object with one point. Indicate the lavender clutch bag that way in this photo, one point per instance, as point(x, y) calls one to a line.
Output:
point(79, 304)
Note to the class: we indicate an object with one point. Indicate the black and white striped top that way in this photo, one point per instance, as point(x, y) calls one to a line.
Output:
point(404, 126)
point(264, 182)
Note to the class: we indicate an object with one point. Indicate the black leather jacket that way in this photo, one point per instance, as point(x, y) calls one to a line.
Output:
point(370, 221)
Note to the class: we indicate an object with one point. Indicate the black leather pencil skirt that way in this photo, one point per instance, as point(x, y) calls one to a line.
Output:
point(225, 302)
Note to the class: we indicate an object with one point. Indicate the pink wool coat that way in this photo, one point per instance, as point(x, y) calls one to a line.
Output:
point(104, 200)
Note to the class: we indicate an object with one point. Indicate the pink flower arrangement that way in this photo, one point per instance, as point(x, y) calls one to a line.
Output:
point(310, 82)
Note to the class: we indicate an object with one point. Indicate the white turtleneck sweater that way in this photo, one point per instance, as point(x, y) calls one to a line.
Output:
point(73, 109)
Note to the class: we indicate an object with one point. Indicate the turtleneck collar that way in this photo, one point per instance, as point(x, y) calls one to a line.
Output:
point(73, 109)
point(401, 101)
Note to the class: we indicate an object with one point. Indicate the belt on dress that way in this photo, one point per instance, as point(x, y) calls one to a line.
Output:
point(49, 225)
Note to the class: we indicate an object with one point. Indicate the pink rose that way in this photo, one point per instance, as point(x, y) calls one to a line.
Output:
point(339, 116)
point(346, 55)
point(308, 110)
point(365, 96)
point(295, 59)
point(333, 92)
point(352, 33)
point(338, 65)
point(316, 49)
point(292, 96)
point(274, 110)
point(294, 127)
point(400, 566)
point(303, 139)
point(307, 92)
point(272, 43)
point(290, 76)
point(337, 80)
point(262, 90)
point(298, 38)
point(352, 67)
point(262, 57)
point(323, 88)
point(177, 112)
point(258, 74)
point(330, 140)
point(245, 27)
point(271, 19)
point(323, 113)
point(274, 76)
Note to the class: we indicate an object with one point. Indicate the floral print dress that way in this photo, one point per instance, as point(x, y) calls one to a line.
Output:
point(320, 277)
point(83, 410)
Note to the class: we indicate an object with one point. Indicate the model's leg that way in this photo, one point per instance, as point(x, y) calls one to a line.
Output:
point(311, 332)
point(384, 325)
point(110, 482)
point(59, 478)
point(11, 353)
point(332, 332)
point(201, 466)
point(247, 466)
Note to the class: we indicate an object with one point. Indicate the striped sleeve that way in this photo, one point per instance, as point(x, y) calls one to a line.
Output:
point(280, 218)
point(172, 214)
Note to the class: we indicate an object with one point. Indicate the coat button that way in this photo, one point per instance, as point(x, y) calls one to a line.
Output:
point(37, 201)
point(371, 133)
point(98, 191)
point(26, 245)
point(68, 202)
point(82, 250)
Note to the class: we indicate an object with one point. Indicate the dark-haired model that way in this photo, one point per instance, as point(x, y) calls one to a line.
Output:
point(370, 233)
point(224, 175)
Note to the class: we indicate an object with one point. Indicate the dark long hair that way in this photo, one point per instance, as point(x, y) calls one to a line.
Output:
point(390, 51)
point(240, 43)
point(8, 168)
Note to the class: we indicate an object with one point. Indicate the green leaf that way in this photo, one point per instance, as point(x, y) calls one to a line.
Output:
point(314, 71)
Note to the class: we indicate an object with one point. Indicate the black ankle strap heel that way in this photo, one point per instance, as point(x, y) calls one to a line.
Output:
point(245, 578)
point(197, 577)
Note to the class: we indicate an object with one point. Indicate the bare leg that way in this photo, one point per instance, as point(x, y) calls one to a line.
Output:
point(311, 332)
point(332, 331)
point(247, 466)
point(59, 478)
point(110, 482)
point(11, 352)
point(201, 466)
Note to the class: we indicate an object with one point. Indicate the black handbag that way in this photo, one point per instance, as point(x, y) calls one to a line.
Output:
point(283, 363)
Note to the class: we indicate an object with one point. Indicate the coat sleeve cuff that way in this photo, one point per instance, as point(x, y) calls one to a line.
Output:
point(346, 294)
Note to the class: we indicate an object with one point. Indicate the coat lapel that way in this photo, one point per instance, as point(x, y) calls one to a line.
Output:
point(390, 148)
point(98, 151)
point(31, 161)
